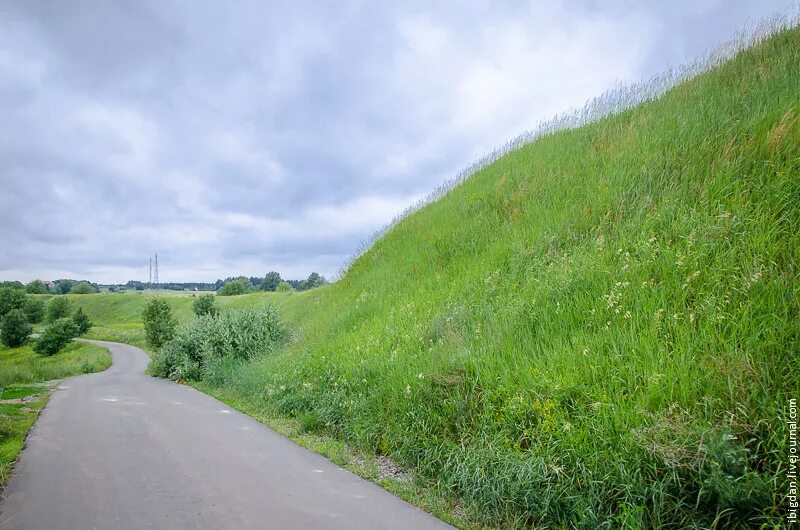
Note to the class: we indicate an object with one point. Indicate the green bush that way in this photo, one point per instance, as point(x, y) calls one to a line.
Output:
point(10, 299)
point(204, 305)
point(284, 287)
point(234, 287)
point(57, 308)
point(15, 328)
point(203, 344)
point(159, 324)
point(81, 321)
point(34, 309)
point(55, 337)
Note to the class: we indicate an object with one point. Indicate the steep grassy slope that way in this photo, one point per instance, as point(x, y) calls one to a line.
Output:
point(600, 329)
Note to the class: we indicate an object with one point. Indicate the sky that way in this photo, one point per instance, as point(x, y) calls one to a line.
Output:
point(235, 138)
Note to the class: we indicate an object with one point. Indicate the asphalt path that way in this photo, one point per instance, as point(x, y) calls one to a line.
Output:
point(122, 450)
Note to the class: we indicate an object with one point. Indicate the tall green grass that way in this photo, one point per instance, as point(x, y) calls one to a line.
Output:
point(23, 365)
point(599, 329)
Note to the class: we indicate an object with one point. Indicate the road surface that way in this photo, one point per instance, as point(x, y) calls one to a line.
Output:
point(122, 450)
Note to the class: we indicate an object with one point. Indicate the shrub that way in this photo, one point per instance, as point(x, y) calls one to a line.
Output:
point(15, 328)
point(213, 341)
point(204, 305)
point(11, 298)
point(284, 287)
point(55, 337)
point(234, 287)
point(159, 324)
point(81, 321)
point(82, 288)
point(34, 309)
point(57, 308)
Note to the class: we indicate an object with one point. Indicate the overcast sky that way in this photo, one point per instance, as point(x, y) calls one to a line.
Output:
point(241, 137)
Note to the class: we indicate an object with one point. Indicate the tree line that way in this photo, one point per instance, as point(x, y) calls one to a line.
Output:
point(232, 285)
point(272, 282)
point(62, 286)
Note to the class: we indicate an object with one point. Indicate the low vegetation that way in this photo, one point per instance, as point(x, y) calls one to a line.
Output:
point(206, 348)
point(23, 365)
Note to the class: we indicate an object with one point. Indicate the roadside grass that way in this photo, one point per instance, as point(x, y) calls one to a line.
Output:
point(26, 380)
point(15, 421)
point(22, 365)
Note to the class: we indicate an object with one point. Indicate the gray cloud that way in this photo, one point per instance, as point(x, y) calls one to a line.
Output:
point(240, 137)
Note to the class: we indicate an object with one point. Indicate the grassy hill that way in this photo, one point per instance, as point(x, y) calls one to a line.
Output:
point(598, 330)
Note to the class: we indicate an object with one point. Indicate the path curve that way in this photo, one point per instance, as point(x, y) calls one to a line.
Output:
point(119, 449)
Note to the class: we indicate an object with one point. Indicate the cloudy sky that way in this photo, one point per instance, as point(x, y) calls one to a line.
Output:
point(241, 137)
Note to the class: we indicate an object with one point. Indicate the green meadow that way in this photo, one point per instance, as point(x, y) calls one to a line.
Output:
point(599, 330)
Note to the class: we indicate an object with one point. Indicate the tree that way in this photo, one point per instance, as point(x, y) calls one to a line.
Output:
point(271, 281)
point(62, 286)
point(34, 309)
point(159, 324)
point(10, 299)
point(36, 287)
point(204, 305)
point(314, 280)
point(57, 308)
point(136, 285)
point(15, 328)
point(82, 288)
point(14, 284)
point(81, 321)
point(234, 287)
point(55, 337)
point(284, 287)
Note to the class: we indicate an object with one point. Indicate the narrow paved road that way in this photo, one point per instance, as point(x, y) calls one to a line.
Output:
point(119, 449)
